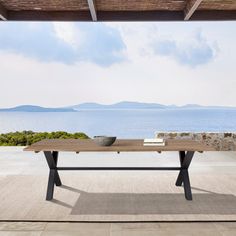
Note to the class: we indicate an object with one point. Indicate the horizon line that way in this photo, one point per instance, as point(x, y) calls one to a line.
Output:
point(110, 104)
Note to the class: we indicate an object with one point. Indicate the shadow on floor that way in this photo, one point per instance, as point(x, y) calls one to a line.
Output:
point(150, 203)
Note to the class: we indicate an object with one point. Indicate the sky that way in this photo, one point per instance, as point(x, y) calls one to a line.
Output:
point(56, 64)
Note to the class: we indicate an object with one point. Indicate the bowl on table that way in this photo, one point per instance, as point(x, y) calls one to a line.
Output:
point(104, 140)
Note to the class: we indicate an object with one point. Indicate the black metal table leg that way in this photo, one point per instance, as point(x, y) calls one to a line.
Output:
point(183, 177)
point(179, 180)
point(187, 186)
point(57, 177)
point(54, 177)
point(50, 189)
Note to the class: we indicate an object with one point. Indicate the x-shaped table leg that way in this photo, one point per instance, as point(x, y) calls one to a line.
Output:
point(183, 177)
point(54, 177)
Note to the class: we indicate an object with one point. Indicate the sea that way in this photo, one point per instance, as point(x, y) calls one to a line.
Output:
point(142, 123)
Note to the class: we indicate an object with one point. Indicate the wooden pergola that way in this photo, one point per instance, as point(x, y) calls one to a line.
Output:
point(117, 10)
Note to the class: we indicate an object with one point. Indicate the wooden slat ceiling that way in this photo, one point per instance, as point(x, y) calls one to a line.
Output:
point(118, 10)
point(218, 5)
point(45, 5)
point(140, 5)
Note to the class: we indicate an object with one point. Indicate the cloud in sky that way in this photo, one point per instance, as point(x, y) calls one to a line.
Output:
point(191, 47)
point(63, 42)
point(192, 51)
point(102, 44)
point(143, 75)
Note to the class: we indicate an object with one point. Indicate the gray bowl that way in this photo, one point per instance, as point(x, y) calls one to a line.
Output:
point(104, 140)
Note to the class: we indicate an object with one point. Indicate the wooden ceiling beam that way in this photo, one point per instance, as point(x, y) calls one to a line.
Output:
point(191, 7)
point(200, 15)
point(214, 15)
point(101, 15)
point(92, 9)
point(3, 12)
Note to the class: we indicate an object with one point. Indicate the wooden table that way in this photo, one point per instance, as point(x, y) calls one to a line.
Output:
point(51, 148)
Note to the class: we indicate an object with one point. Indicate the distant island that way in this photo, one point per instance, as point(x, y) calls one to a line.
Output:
point(31, 108)
point(118, 106)
point(126, 105)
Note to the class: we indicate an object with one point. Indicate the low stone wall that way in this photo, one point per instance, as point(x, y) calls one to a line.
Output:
point(221, 141)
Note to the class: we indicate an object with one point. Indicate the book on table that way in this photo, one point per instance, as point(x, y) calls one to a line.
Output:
point(154, 142)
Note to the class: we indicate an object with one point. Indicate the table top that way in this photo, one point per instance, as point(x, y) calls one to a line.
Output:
point(120, 145)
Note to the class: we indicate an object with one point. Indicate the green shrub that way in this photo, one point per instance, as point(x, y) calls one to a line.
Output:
point(25, 138)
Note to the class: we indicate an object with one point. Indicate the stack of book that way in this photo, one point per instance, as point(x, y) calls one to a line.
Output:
point(154, 142)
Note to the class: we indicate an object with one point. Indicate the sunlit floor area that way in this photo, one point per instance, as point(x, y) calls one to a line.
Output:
point(111, 197)
point(117, 229)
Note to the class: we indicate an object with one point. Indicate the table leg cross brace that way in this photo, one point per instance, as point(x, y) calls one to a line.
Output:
point(54, 177)
point(183, 177)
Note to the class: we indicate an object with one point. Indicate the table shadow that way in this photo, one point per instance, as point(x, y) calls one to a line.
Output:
point(91, 203)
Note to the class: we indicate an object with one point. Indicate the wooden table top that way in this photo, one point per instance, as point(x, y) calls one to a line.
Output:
point(120, 145)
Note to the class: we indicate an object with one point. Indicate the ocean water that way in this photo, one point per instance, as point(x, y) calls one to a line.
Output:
point(121, 123)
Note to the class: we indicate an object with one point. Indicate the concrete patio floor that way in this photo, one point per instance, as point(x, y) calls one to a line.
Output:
point(221, 166)
point(117, 229)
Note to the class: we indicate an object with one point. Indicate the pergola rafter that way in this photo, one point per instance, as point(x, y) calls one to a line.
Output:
point(92, 9)
point(190, 8)
point(3, 12)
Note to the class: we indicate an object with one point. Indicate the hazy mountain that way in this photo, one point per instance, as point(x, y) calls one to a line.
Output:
point(31, 108)
point(139, 105)
point(119, 106)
